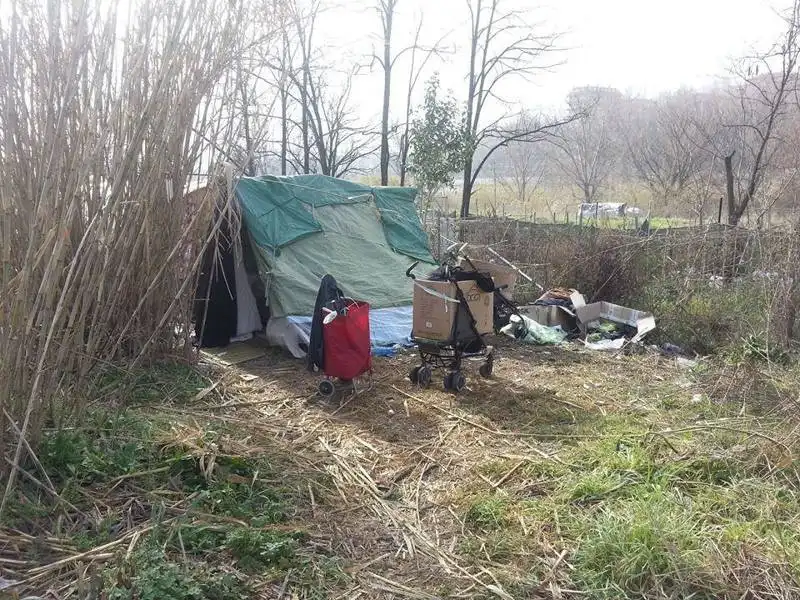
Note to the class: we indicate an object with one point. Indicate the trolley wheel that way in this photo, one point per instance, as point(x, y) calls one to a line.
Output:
point(421, 376)
point(455, 381)
point(486, 368)
point(326, 388)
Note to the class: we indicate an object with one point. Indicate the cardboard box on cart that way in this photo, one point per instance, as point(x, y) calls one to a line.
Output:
point(504, 277)
point(435, 304)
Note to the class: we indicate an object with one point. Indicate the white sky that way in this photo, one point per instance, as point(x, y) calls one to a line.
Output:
point(640, 46)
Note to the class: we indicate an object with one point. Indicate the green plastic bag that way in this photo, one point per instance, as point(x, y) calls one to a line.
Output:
point(529, 331)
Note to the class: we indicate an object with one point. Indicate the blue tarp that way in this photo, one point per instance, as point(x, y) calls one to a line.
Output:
point(388, 326)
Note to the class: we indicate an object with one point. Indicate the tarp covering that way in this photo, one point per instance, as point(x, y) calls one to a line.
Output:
point(307, 226)
point(401, 223)
point(388, 327)
point(273, 216)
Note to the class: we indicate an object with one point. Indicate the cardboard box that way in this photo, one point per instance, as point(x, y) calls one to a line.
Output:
point(554, 315)
point(503, 276)
point(435, 307)
point(551, 316)
point(644, 322)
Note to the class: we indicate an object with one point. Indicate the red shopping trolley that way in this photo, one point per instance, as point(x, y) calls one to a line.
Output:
point(346, 344)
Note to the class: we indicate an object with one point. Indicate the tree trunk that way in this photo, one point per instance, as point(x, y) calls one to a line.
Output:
point(403, 156)
point(387, 84)
point(248, 141)
point(284, 128)
point(467, 191)
point(304, 121)
point(733, 218)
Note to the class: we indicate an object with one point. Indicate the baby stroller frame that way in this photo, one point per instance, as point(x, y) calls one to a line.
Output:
point(464, 342)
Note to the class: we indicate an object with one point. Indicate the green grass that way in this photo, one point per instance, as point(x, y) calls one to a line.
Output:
point(239, 523)
point(151, 573)
point(641, 546)
point(157, 383)
point(642, 515)
point(109, 443)
point(638, 509)
point(487, 513)
point(557, 202)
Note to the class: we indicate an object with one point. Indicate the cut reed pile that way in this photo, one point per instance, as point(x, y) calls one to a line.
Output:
point(105, 114)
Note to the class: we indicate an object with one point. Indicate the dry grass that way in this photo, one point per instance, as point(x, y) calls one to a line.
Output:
point(498, 494)
point(525, 487)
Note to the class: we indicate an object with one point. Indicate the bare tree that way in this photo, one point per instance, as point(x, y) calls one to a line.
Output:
point(304, 24)
point(386, 10)
point(587, 155)
point(388, 62)
point(339, 143)
point(767, 85)
point(664, 144)
point(525, 167)
point(284, 72)
point(414, 73)
point(502, 46)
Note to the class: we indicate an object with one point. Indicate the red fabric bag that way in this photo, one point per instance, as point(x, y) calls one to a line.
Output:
point(346, 343)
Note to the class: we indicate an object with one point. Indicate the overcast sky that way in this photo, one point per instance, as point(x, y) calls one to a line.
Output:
point(644, 47)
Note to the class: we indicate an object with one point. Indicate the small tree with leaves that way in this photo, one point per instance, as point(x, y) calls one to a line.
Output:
point(438, 144)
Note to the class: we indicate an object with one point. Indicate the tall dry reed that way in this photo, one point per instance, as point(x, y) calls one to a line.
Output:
point(106, 111)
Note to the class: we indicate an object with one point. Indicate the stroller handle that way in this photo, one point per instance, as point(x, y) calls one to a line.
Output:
point(411, 268)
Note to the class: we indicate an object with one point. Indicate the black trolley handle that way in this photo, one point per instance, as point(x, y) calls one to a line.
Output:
point(411, 268)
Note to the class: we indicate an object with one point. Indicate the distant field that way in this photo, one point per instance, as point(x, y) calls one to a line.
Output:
point(549, 203)
point(555, 202)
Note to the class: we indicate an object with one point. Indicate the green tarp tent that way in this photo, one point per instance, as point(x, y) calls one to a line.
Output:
point(306, 226)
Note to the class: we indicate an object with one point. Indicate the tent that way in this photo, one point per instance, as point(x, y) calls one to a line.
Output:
point(294, 231)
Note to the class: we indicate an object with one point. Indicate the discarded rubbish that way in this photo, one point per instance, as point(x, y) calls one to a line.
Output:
point(556, 307)
point(685, 363)
point(592, 317)
point(525, 329)
point(606, 344)
point(672, 350)
point(385, 351)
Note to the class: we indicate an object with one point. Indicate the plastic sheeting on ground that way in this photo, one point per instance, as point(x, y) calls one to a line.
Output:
point(388, 327)
point(531, 332)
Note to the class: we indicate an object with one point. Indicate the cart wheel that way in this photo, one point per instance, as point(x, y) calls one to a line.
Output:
point(459, 381)
point(486, 369)
point(424, 375)
point(326, 388)
point(455, 381)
